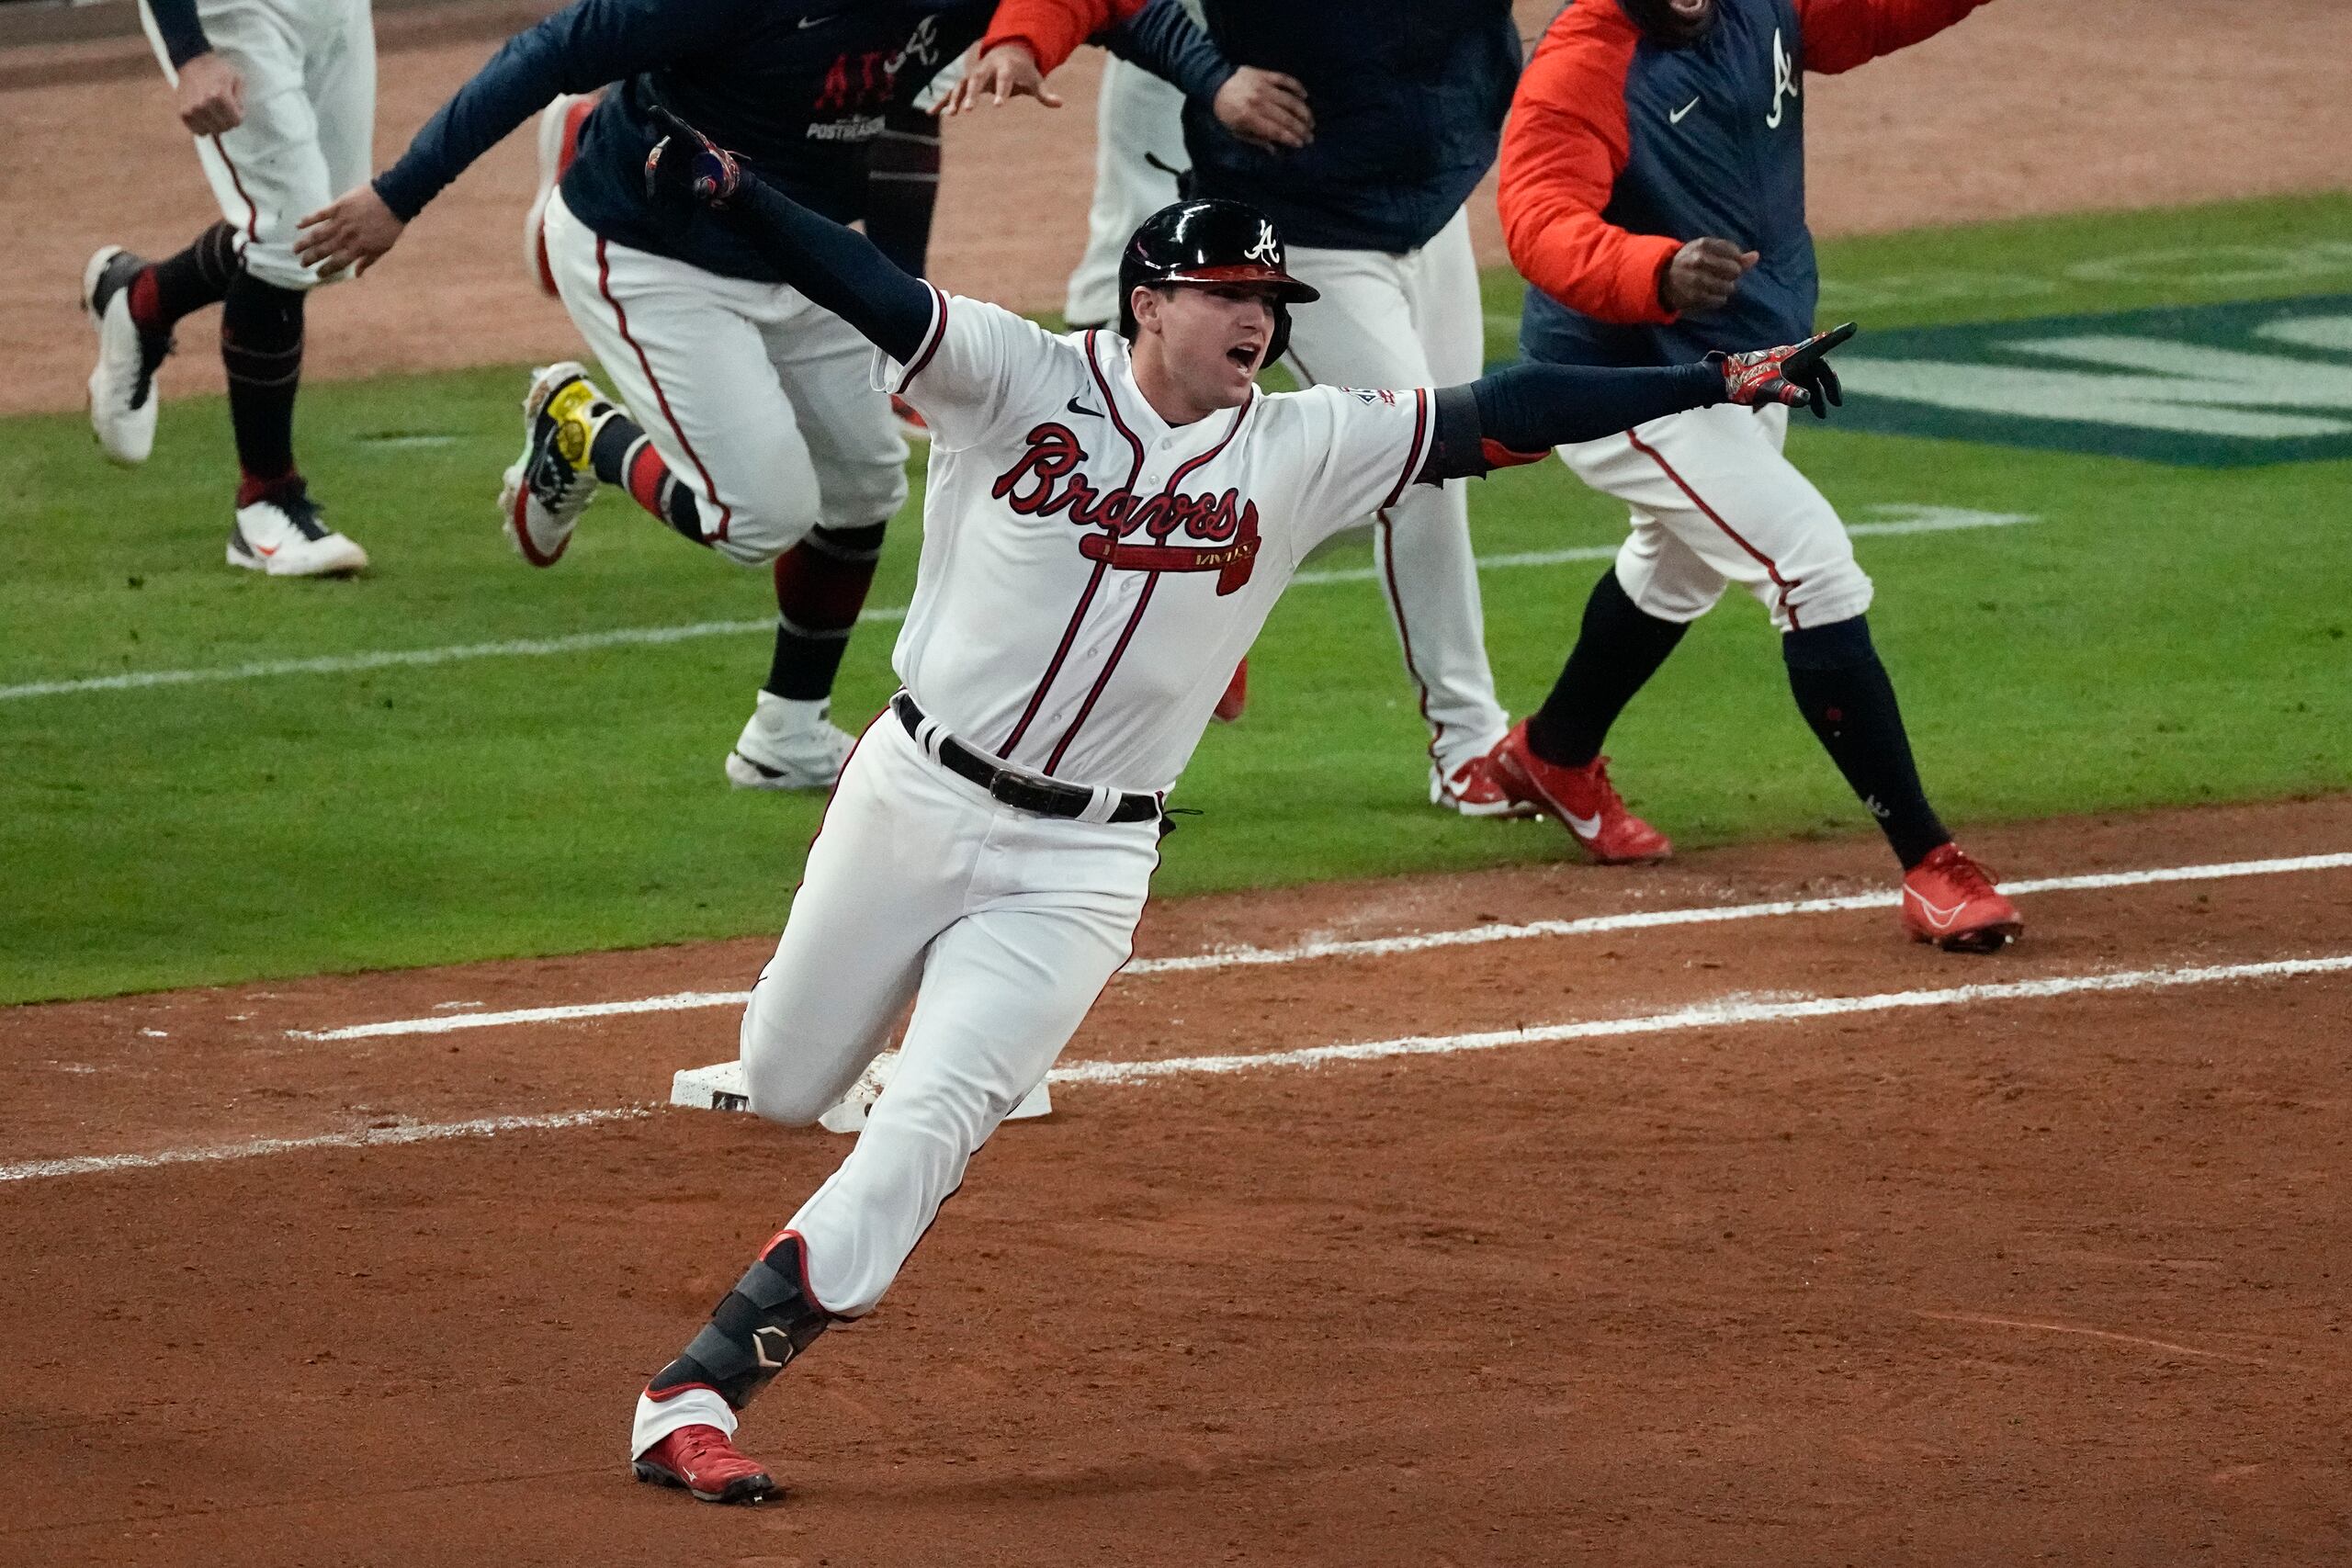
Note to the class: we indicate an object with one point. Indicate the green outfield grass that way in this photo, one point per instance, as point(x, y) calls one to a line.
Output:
point(2160, 635)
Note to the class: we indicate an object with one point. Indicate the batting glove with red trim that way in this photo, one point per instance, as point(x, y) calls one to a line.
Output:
point(1796, 374)
point(686, 165)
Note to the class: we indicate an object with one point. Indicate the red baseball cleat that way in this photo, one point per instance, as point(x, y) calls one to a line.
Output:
point(701, 1460)
point(1581, 798)
point(1949, 901)
point(1472, 790)
point(1236, 694)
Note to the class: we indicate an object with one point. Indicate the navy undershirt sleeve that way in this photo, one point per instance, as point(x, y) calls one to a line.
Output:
point(577, 50)
point(183, 34)
point(838, 268)
point(1535, 407)
point(1165, 41)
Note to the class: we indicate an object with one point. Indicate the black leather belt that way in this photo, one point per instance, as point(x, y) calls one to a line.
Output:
point(1024, 792)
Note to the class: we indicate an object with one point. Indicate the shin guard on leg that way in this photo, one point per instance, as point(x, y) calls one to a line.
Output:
point(766, 1320)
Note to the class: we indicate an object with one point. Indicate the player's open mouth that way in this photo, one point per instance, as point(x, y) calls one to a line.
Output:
point(1245, 356)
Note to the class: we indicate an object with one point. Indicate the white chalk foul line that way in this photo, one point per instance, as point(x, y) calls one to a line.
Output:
point(1706, 1015)
point(1898, 520)
point(366, 1138)
point(1381, 947)
point(1731, 1012)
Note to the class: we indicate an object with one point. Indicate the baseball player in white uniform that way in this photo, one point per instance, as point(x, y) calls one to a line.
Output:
point(281, 97)
point(1108, 520)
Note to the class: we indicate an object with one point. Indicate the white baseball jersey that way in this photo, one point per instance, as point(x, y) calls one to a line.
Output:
point(1091, 574)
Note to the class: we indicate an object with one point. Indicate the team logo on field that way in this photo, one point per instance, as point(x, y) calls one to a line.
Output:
point(1218, 530)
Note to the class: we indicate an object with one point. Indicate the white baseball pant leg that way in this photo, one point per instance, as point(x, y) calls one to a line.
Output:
point(1136, 115)
point(1004, 927)
point(1414, 320)
point(1714, 502)
point(760, 403)
point(309, 94)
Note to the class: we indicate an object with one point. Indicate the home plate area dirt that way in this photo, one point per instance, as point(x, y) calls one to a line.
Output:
point(1752, 1235)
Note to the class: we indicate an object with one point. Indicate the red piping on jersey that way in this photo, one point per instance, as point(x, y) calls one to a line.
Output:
point(1143, 603)
point(1142, 600)
point(253, 213)
point(1772, 570)
point(1413, 454)
point(931, 340)
point(620, 318)
point(1076, 616)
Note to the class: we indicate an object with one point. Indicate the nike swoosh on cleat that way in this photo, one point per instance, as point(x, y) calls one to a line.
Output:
point(1941, 919)
point(1076, 407)
point(1585, 827)
point(1674, 119)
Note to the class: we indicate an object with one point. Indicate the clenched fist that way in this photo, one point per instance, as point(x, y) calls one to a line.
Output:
point(1702, 275)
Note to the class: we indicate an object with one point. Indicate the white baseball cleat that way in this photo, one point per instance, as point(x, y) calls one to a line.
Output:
point(550, 484)
point(282, 536)
point(560, 125)
point(781, 750)
point(122, 386)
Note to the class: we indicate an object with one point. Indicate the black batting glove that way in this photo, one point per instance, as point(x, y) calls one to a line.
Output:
point(1796, 374)
point(686, 166)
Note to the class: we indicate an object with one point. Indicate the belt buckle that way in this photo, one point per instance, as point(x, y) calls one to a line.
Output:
point(1026, 795)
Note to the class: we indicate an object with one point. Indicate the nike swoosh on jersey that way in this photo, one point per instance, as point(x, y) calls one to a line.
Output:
point(1586, 826)
point(1076, 407)
point(1674, 119)
point(821, 21)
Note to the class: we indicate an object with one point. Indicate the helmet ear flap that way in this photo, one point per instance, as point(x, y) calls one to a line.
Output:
point(1280, 342)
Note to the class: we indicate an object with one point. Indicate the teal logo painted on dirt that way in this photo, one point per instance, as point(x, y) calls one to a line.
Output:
point(2209, 387)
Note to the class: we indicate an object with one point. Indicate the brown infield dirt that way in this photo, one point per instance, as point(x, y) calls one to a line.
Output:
point(1995, 1279)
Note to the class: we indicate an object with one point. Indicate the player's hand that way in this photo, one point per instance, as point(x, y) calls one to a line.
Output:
point(1008, 71)
point(1265, 107)
point(353, 231)
point(1797, 375)
point(1702, 275)
point(688, 166)
point(211, 95)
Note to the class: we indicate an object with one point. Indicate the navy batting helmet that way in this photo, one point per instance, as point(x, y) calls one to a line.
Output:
point(1210, 241)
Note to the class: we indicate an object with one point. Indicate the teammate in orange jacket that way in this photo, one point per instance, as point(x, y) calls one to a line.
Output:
point(1653, 194)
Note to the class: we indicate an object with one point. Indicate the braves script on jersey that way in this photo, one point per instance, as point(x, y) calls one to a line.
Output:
point(1089, 573)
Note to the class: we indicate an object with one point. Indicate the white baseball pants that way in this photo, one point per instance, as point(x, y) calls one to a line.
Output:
point(310, 75)
point(1003, 927)
point(1715, 503)
point(1136, 115)
point(762, 402)
point(1414, 320)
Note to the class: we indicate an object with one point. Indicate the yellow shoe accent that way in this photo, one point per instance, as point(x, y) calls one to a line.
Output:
point(570, 409)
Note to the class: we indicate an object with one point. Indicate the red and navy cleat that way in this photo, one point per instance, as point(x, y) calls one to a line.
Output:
point(1472, 790)
point(1581, 799)
point(706, 1466)
point(1949, 901)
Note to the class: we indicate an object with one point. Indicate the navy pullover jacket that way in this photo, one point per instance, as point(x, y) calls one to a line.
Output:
point(796, 87)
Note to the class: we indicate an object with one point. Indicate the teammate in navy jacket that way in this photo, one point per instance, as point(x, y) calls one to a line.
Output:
point(1407, 98)
point(751, 426)
point(1653, 193)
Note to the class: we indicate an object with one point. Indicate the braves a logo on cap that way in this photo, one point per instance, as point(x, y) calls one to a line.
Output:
point(1268, 249)
point(1045, 480)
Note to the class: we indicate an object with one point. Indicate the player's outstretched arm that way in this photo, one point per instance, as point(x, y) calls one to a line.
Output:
point(1517, 416)
point(838, 268)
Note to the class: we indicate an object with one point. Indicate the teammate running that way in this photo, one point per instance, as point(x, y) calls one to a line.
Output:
point(281, 97)
point(746, 420)
point(1108, 519)
point(1405, 99)
point(1653, 192)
